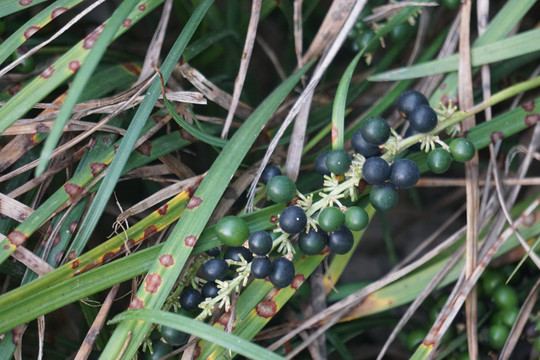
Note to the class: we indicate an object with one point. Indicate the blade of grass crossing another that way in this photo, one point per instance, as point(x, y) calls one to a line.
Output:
point(81, 79)
point(134, 129)
point(179, 245)
point(199, 329)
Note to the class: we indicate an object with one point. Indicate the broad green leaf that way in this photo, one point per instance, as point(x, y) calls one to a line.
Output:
point(199, 329)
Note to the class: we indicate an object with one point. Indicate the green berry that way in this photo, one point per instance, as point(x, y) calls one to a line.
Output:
point(174, 337)
point(439, 160)
point(451, 4)
point(280, 189)
point(497, 336)
point(509, 316)
point(331, 218)
point(356, 218)
point(338, 161)
point(505, 297)
point(383, 197)
point(462, 149)
point(159, 349)
point(414, 338)
point(492, 279)
point(375, 130)
point(232, 230)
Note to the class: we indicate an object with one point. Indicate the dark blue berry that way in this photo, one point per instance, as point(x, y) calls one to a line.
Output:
point(320, 163)
point(214, 251)
point(260, 242)
point(282, 273)
point(190, 299)
point(375, 130)
point(292, 220)
point(404, 173)
point(383, 197)
point(209, 290)
point(423, 118)
point(408, 101)
point(341, 241)
point(269, 172)
point(261, 267)
point(375, 170)
point(313, 242)
point(363, 148)
point(215, 269)
point(233, 252)
point(174, 337)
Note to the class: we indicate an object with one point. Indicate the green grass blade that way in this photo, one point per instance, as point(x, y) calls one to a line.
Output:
point(31, 26)
point(521, 44)
point(12, 6)
point(200, 329)
point(340, 100)
point(132, 134)
point(192, 130)
point(81, 79)
point(184, 236)
point(60, 70)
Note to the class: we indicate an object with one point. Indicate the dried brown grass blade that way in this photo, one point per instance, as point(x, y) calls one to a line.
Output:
point(99, 321)
point(211, 91)
point(294, 153)
point(244, 63)
point(32, 261)
point(471, 173)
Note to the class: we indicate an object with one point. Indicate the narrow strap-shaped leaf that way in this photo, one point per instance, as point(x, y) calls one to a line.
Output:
point(81, 79)
point(11, 6)
point(514, 46)
point(199, 329)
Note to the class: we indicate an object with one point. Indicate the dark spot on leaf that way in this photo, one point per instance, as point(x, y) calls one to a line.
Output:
point(149, 231)
point(187, 136)
point(194, 202)
point(73, 190)
point(58, 11)
point(131, 68)
point(266, 309)
point(224, 320)
point(91, 38)
point(75, 264)
point(152, 282)
point(532, 119)
point(25, 2)
point(42, 128)
point(141, 7)
point(126, 22)
point(74, 65)
point(297, 281)
point(58, 257)
point(166, 260)
point(47, 73)
point(30, 31)
point(73, 226)
point(145, 148)
point(108, 256)
point(71, 255)
point(496, 136)
point(163, 209)
point(273, 219)
point(190, 241)
point(136, 304)
point(528, 106)
point(17, 238)
point(95, 167)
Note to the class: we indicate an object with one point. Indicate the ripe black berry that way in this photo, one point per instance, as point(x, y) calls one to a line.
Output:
point(410, 132)
point(261, 267)
point(341, 241)
point(214, 251)
point(292, 220)
point(376, 170)
point(375, 130)
point(320, 163)
point(233, 252)
point(383, 197)
point(338, 161)
point(174, 337)
point(362, 147)
point(260, 242)
point(269, 172)
point(313, 242)
point(404, 173)
point(282, 273)
point(215, 269)
point(423, 118)
point(190, 299)
point(408, 101)
point(280, 189)
point(209, 290)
